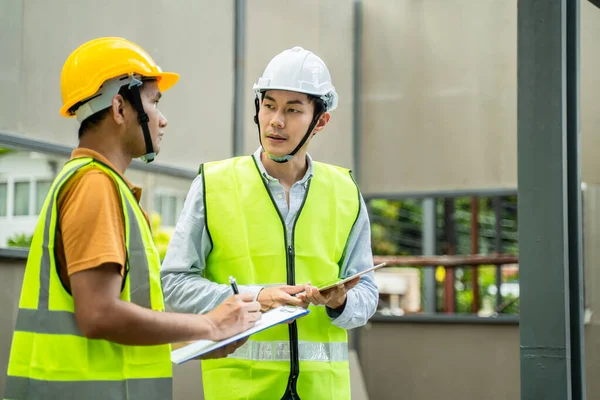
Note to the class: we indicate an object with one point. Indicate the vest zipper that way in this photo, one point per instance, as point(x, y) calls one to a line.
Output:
point(290, 392)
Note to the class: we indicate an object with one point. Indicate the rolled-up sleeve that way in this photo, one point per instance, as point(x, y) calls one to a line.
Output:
point(184, 286)
point(361, 300)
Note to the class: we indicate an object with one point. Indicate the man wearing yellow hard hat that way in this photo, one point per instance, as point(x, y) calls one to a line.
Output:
point(276, 220)
point(91, 321)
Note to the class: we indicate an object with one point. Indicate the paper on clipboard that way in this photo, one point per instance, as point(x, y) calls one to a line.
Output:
point(330, 285)
point(270, 318)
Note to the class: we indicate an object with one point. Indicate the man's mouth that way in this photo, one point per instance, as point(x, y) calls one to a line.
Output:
point(276, 138)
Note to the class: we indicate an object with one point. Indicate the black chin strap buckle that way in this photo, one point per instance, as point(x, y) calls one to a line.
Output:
point(257, 107)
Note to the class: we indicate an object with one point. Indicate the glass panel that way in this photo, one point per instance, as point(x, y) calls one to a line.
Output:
point(3, 199)
point(41, 191)
point(157, 203)
point(21, 199)
point(169, 210)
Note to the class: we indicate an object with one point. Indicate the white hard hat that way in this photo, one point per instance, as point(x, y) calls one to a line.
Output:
point(298, 70)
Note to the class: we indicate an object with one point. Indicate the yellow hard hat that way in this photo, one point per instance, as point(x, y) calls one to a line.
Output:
point(99, 60)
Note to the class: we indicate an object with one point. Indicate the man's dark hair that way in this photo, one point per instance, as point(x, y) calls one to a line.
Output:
point(320, 106)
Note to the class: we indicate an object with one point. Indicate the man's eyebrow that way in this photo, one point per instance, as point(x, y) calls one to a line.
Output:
point(267, 97)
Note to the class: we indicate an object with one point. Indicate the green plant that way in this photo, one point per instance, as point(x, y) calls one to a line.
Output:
point(21, 240)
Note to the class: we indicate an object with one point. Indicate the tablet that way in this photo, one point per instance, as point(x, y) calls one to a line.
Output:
point(337, 282)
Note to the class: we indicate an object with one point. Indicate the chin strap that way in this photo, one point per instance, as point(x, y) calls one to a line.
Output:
point(134, 87)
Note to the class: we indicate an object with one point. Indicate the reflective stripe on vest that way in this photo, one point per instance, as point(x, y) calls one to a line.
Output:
point(136, 389)
point(63, 322)
point(57, 328)
point(249, 242)
point(280, 351)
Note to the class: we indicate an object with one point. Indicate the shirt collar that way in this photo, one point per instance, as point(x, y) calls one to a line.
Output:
point(265, 174)
point(82, 152)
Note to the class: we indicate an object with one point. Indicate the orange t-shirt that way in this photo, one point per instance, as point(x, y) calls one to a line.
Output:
point(90, 230)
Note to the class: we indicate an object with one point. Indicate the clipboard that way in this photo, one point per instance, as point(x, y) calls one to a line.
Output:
point(269, 319)
point(328, 285)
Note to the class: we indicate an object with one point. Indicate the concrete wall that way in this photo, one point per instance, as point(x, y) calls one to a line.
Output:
point(193, 38)
point(453, 361)
point(440, 361)
point(438, 80)
point(439, 95)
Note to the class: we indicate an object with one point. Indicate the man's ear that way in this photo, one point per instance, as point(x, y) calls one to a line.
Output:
point(118, 107)
point(323, 120)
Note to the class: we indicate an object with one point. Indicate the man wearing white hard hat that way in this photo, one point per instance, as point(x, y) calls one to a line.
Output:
point(282, 224)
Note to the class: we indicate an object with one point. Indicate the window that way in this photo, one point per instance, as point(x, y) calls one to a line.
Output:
point(3, 199)
point(157, 203)
point(169, 210)
point(21, 199)
point(166, 206)
point(41, 191)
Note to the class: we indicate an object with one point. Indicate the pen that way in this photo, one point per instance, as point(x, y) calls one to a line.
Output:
point(234, 285)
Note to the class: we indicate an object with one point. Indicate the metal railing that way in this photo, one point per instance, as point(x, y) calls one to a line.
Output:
point(451, 263)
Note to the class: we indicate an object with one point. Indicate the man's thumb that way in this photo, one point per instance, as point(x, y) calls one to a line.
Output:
point(294, 289)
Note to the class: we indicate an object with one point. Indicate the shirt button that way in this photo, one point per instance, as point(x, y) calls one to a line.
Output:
point(279, 196)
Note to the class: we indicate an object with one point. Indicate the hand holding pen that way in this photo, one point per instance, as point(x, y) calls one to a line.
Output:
point(235, 315)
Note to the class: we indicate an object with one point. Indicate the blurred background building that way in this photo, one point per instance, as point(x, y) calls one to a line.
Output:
point(427, 120)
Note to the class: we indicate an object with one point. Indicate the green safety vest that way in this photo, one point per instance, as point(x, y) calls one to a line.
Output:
point(50, 358)
point(308, 358)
